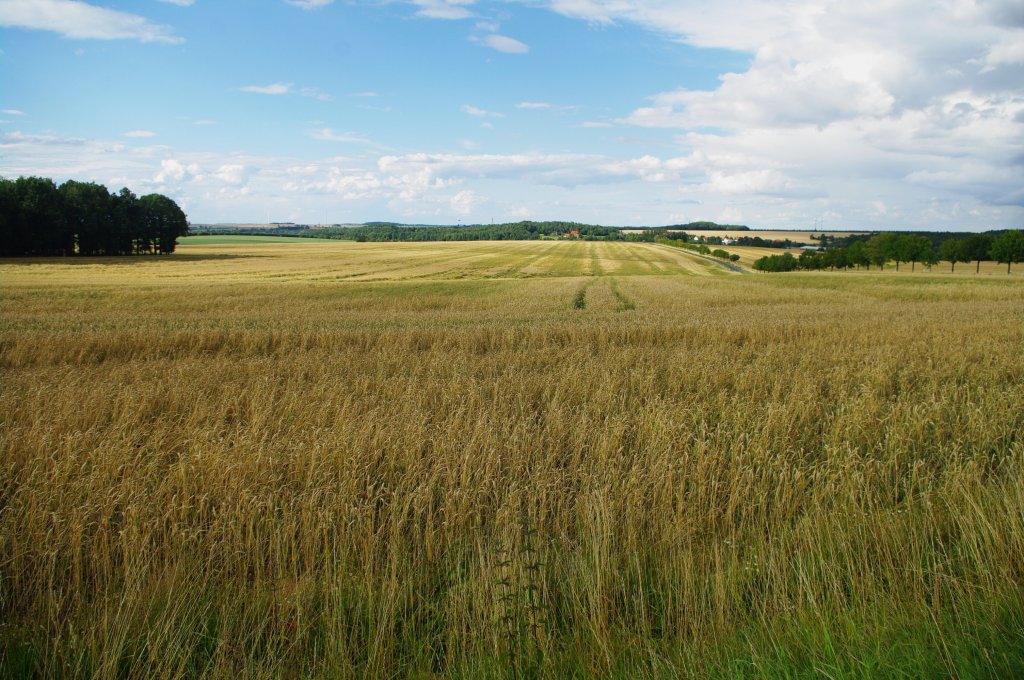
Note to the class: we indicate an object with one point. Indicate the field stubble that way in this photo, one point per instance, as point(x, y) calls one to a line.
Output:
point(738, 475)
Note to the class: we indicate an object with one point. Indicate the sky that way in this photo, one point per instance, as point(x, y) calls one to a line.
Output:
point(790, 114)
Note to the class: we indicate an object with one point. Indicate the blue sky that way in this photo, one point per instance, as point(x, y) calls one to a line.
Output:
point(902, 114)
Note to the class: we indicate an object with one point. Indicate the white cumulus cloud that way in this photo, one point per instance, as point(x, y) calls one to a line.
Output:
point(329, 135)
point(309, 4)
point(173, 170)
point(232, 173)
point(80, 20)
point(845, 105)
point(444, 9)
point(480, 113)
point(465, 202)
point(275, 88)
point(503, 43)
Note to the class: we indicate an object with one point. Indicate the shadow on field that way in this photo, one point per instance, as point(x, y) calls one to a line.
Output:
point(125, 259)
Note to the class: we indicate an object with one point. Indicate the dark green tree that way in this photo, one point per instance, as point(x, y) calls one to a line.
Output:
point(836, 258)
point(38, 224)
point(976, 249)
point(776, 263)
point(929, 256)
point(1008, 247)
point(879, 248)
point(88, 209)
point(8, 217)
point(162, 223)
point(952, 251)
point(857, 254)
point(901, 248)
point(810, 259)
point(124, 236)
point(917, 249)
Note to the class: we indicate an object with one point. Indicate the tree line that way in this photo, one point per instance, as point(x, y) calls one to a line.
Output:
point(510, 231)
point(390, 231)
point(699, 248)
point(39, 218)
point(1006, 248)
point(705, 226)
point(526, 230)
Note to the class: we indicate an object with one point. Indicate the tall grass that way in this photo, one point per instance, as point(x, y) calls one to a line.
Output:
point(737, 477)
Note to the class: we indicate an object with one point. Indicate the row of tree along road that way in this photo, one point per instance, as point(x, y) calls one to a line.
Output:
point(1006, 247)
point(38, 218)
point(699, 248)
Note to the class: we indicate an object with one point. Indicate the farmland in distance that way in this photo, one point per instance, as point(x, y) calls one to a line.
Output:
point(267, 458)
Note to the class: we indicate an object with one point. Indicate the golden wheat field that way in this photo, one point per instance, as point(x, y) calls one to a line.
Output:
point(265, 459)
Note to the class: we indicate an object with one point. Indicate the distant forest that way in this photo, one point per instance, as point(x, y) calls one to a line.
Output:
point(390, 231)
point(706, 226)
point(508, 231)
point(38, 218)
